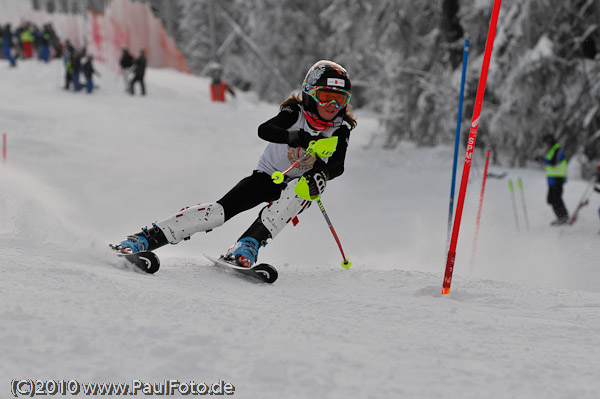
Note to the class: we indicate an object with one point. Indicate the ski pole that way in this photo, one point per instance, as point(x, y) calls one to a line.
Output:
point(520, 184)
point(322, 148)
point(487, 161)
point(512, 195)
point(278, 176)
point(345, 263)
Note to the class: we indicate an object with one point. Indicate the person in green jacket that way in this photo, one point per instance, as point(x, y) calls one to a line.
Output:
point(27, 42)
point(556, 173)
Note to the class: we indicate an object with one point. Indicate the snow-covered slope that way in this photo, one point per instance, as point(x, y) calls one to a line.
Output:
point(521, 321)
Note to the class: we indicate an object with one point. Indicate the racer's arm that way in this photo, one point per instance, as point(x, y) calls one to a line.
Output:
point(335, 164)
point(275, 129)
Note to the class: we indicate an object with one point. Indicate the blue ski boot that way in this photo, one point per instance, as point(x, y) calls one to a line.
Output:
point(146, 240)
point(131, 245)
point(244, 252)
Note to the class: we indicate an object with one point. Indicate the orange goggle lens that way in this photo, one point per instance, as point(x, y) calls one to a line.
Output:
point(326, 96)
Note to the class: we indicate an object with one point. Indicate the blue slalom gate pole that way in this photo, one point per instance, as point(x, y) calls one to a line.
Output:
point(457, 140)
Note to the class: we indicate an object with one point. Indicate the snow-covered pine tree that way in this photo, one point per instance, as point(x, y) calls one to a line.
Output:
point(403, 57)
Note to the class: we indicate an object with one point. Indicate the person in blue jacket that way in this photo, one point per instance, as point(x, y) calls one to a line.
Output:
point(7, 44)
point(44, 38)
point(89, 72)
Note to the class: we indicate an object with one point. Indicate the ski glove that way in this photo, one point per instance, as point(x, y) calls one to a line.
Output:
point(317, 180)
point(302, 138)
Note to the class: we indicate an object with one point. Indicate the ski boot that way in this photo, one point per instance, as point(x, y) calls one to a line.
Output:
point(560, 221)
point(244, 252)
point(145, 240)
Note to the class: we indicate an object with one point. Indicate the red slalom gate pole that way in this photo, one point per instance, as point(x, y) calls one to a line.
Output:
point(485, 171)
point(489, 45)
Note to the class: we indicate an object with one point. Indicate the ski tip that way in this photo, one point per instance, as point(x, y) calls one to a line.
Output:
point(265, 272)
point(262, 271)
point(146, 261)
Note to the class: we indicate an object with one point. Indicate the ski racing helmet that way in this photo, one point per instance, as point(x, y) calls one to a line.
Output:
point(326, 82)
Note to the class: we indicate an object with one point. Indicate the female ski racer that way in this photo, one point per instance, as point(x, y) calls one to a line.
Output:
point(322, 111)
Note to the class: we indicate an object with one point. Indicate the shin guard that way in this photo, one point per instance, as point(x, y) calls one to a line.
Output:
point(277, 214)
point(202, 217)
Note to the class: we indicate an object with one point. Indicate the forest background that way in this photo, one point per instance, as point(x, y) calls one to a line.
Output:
point(405, 60)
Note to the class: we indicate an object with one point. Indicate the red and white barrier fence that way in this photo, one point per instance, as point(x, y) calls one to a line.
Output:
point(124, 23)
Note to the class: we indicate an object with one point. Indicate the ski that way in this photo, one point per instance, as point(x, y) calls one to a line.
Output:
point(576, 212)
point(145, 260)
point(583, 201)
point(263, 272)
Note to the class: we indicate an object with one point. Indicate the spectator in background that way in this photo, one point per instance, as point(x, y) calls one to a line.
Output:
point(139, 69)
point(89, 72)
point(54, 41)
point(7, 45)
point(45, 44)
point(126, 62)
point(27, 39)
point(67, 54)
point(37, 41)
point(556, 172)
point(218, 87)
point(69, 49)
point(76, 69)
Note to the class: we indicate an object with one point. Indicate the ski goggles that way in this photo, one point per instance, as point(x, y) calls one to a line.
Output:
point(326, 95)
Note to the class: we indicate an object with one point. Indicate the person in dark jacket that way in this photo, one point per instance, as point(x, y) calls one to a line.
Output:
point(139, 69)
point(126, 62)
point(76, 69)
point(556, 172)
point(89, 72)
point(45, 38)
point(7, 45)
point(68, 52)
